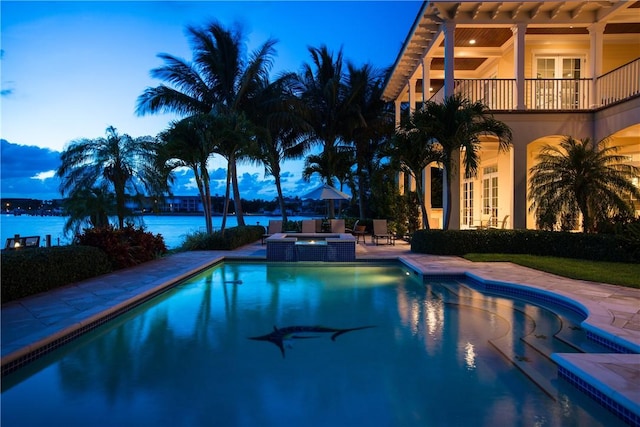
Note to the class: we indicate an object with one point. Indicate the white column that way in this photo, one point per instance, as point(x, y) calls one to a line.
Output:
point(426, 188)
point(519, 30)
point(412, 107)
point(412, 95)
point(400, 175)
point(596, 41)
point(449, 55)
point(426, 79)
point(398, 109)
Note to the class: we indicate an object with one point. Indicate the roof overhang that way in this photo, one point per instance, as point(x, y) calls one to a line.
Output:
point(564, 17)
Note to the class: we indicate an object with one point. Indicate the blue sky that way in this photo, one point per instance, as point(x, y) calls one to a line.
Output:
point(71, 69)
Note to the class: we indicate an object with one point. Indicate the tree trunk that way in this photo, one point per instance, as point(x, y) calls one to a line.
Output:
point(283, 208)
point(361, 202)
point(236, 191)
point(225, 208)
point(203, 197)
point(423, 206)
point(447, 197)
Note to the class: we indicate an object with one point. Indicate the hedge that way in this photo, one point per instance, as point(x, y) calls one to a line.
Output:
point(597, 247)
point(229, 239)
point(30, 271)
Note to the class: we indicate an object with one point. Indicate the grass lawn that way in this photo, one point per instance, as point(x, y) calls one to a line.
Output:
point(605, 272)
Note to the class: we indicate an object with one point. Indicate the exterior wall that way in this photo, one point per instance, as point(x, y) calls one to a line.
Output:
point(617, 54)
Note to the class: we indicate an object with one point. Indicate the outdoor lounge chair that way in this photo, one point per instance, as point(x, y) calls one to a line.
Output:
point(275, 226)
point(380, 232)
point(308, 225)
point(337, 226)
point(359, 231)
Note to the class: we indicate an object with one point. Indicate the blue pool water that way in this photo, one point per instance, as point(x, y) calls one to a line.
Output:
point(434, 354)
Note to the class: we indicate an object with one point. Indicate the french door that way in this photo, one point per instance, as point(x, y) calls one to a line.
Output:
point(490, 194)
point(467, 203)
point(558, 85)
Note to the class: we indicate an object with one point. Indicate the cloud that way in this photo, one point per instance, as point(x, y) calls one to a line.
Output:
point(29, 172)
point(26, 161)
point(44, 175)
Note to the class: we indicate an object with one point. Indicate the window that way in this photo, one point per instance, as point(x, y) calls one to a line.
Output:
point(467, 203)
point(490, 193)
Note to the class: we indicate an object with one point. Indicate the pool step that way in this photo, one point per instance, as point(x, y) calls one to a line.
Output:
point(538, 368)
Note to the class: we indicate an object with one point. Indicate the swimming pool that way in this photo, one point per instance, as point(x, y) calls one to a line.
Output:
point(438, 353)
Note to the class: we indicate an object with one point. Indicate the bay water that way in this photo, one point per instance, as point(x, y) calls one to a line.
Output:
point(173, 228)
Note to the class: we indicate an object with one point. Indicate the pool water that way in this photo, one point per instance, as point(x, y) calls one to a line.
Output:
point(434, 354)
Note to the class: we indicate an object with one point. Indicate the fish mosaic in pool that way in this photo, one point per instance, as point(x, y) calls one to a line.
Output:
point(283, 337)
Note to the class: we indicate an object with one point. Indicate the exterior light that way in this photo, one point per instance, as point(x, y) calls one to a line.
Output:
point(472, 41)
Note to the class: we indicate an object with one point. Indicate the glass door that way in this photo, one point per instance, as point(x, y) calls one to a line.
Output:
point(490, 195)
point(558, 85)
point(467, 203)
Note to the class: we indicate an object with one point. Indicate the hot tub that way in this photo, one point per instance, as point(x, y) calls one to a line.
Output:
point(328, 247)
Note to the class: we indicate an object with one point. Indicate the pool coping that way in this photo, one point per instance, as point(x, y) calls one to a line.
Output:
point(600, 319)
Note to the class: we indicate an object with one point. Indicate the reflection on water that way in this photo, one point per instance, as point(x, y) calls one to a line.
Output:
point(186, 358)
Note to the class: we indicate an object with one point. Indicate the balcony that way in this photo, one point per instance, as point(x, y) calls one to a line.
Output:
point(552, 94)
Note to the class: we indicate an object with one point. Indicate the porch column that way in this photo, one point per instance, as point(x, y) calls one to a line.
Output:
point(400, 175)
point(426, 188)
point(454, 208)
point(398, 109)
point(449, 57)
point(412, 107)
point(596, 40)
point(412, 95)
point(426, 79)
point(519, 174)
point(519, 30)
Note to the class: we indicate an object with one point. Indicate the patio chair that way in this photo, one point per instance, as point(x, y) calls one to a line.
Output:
point(484, 224)
point(275, 226)
point(337, 226)
point(359, 231)
point(503, 226)
point(308, 225)
point(380, 232)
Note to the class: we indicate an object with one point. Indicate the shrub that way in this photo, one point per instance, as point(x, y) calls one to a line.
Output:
point(230, 238)
point(125, 247)
point(30, 271)
point(597, 247)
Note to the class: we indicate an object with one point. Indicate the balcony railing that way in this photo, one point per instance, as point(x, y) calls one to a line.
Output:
point(619, 84)
point(552, 94)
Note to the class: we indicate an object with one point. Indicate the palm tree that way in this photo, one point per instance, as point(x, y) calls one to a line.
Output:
point(280, 129)
point(457, 125)
point(219, 81)
point(88, 207)
point(339, 160)
point(118, 160)
point(582, 176)
point(364, 88)
point(189, 143)
point(414, 149)
point(330, 112)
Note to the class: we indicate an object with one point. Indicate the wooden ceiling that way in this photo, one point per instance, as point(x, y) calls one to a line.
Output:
point(489, 23)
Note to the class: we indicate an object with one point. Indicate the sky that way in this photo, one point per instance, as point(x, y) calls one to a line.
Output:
point(71, 69)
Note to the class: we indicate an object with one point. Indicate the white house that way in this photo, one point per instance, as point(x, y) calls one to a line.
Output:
point(548, 69)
